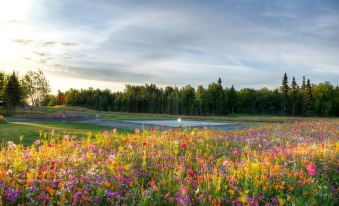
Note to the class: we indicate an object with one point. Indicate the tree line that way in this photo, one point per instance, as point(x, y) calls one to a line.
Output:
point(16, 92)
point(289, 99)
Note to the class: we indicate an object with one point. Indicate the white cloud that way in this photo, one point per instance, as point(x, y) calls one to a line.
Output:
point(177, 43)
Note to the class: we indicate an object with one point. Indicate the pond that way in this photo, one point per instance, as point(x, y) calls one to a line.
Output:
point(181, 123)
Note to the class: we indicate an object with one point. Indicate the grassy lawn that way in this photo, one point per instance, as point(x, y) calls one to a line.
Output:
point(149, 116)
point(29, 131)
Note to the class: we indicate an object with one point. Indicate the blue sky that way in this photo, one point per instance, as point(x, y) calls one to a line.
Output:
point(108, 44)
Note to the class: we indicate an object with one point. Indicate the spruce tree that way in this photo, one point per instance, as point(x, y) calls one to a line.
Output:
point(232, 99)
point(220, 101)
point(12, 92)
point(2, 83)
point(294, 95)
point(308, 97)
point(303, 96)
point(284, 91)
point(219, 81)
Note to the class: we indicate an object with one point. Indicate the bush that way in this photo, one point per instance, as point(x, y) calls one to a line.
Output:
point(2, 119)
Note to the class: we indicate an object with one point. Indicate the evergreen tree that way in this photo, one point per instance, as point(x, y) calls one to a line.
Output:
point(303, 96)
point(220, 82)
point(284, 91)
point(294, 95)
point(308, 98)
point(318, 99)
point(231, 99)
point(336, 101)
point(2, 83)
point(12, 92)
point(201, 101)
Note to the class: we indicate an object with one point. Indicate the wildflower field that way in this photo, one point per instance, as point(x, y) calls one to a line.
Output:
point(278, 164)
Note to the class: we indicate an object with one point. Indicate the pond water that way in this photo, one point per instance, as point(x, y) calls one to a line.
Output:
point(181, 123)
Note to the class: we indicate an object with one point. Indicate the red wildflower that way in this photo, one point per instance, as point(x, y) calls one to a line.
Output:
point(144, 143)
point(52, 164)
point(235, 153)
point(184, 146)
point(191, 173)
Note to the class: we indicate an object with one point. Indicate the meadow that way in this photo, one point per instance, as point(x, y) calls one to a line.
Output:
point(278, 164)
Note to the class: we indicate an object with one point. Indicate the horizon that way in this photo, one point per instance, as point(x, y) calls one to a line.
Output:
point(108, 44)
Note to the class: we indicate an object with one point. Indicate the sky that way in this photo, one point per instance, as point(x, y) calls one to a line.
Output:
point(107, 44)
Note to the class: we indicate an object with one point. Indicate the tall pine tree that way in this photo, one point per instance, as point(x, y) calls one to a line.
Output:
point(303, 96)
point(294, 95)
point(220, 107)
point(231, 99)
point(308, 97)
point(2, 82)
point(12, 92)
point(284, 91)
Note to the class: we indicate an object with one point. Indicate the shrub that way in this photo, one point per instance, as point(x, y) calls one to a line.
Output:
point(2, 119)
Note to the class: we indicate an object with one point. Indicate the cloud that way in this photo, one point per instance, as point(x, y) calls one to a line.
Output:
point(69, 44)
point(246, 43)
point(23, 41)
point(114, 73)
point(48, 43)
point(16, 22)
point(40, 53)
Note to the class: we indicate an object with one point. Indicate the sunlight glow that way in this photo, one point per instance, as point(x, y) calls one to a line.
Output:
point(14, 10)
point(13, 14)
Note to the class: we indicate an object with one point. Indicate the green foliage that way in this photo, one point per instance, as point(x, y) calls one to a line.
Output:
point(231, 99)
point(12, 92)
point(324, 101)
point(294, 96)
point(309, 99)
point(36, 87)
point(284, 92)
point(214, 100)
point(2, 119)
point(2, 82)
point(187, 99)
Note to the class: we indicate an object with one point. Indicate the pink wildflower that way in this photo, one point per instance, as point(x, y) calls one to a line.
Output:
point(137, 131)
point(105, 133)
point(111, 157)
point(183, 190)
point(310, 169)
point(37, 142)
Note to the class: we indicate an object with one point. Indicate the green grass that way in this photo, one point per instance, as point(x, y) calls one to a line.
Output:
point(29, 131)
point(266, 118)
